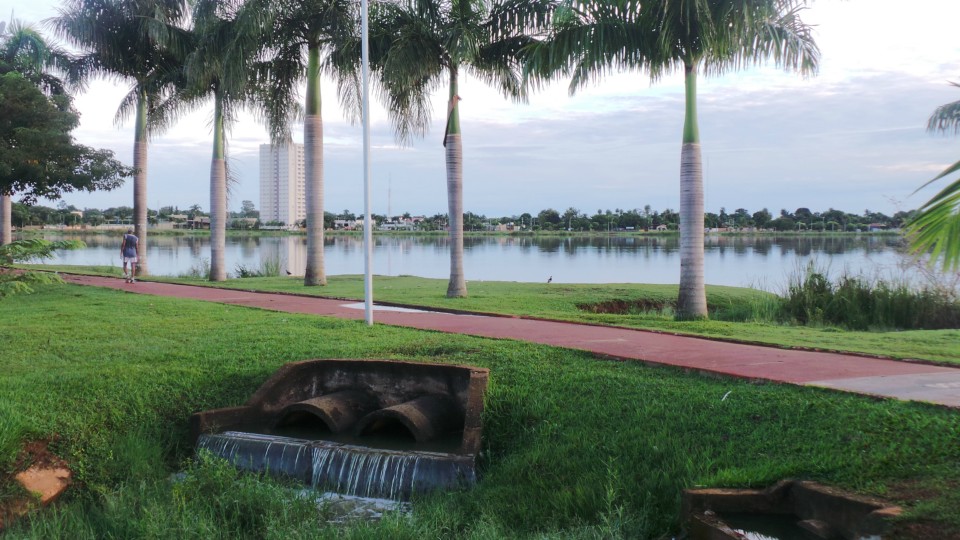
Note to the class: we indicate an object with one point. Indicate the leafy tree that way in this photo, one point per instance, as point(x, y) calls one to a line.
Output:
point(129, 41)
point(24, 50)
point(248, 210)
point(38, 155)
point(23, 251)
point(548, 216)
point(783, 224)
point(741, 217)
point(711, 220)
point(420, 45)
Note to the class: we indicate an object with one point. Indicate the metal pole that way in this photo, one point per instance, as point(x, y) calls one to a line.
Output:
point(367, 222)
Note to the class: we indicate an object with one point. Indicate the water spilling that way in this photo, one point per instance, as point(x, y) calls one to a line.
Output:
point(767, 527)
point(360, 428)
point(345, 469)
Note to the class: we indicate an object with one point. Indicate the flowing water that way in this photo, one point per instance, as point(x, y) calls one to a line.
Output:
point(355, 471)
point(767, 526)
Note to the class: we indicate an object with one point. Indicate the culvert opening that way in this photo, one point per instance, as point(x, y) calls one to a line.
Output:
point(392, 428)
point(302, 425)
point(388, 428)
point(791, 509)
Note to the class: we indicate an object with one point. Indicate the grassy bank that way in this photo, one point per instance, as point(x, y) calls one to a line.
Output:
point(574, 447)
point(737, 313)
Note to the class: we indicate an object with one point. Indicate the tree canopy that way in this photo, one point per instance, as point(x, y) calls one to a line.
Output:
point(38, 155)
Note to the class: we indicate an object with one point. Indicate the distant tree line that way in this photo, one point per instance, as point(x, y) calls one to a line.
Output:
point(635, 219)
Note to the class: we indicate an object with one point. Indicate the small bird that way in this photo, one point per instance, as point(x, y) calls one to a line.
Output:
point(289, 273)
point(549, 279)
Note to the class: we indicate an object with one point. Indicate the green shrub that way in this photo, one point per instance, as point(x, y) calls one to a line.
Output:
point(200, 270)
point(858, 303)
point(269, 267)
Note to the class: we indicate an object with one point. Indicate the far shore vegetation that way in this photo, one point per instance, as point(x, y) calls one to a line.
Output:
point(574, 446)
point(170, 219)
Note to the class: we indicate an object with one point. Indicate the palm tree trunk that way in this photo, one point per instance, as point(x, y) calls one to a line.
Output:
point(313, 162)
point(218, 196)
point(457, 287)
point(6, 219)
point(692, 299)
point(140, 182)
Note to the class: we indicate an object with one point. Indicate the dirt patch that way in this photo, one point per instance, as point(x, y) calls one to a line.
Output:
point(41, 473)
point(923, 530)
point(627, 307)
point(913, 491)
point(37, 453)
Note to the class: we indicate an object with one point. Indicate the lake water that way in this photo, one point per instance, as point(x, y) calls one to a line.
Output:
point(757, 261)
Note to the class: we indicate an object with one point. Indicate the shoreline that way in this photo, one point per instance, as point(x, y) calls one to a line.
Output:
point(506, 234)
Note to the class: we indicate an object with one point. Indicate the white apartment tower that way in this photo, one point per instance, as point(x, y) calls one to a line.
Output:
point(282, 183)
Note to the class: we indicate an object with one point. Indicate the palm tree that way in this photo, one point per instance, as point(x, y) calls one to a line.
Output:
point(936, 229)
point(129, 41)
point(712, 36)
point(302, 40)
point(418, 45)
point(217, 67)
point(24, 50)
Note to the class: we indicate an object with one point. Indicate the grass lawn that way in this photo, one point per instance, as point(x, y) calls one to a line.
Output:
point(735, 305)
point(574, 447)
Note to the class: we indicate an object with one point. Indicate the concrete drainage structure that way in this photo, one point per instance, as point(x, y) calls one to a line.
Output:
point(376, 428)
point(819, 511)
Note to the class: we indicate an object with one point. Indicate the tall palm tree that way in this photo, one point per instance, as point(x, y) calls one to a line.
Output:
point(302, 40)
point(129, 41)
point(936, 229)
point(24, 50)
point(417, 46)
point(217, 67)
point(709, 36)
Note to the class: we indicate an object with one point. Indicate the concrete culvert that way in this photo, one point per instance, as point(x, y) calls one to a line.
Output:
point(425, 418)
point(338, 412)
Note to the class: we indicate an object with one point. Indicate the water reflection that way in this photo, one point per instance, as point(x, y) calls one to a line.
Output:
point(762, 261)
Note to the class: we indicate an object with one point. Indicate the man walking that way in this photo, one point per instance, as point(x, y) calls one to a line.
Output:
point(128, 251)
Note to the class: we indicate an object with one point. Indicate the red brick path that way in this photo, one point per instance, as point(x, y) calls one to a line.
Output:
point(873, 376)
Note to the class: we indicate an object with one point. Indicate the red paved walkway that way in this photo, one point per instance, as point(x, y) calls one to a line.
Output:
point(889, 378)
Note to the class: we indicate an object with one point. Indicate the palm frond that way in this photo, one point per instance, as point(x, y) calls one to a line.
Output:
point(782, 38)
point(590, 39)
point(936, 229)
point(946, 117)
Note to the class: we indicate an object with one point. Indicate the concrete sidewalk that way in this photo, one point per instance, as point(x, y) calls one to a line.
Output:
point(871, 376)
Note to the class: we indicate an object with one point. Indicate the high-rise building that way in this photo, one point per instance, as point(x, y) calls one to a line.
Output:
point(282, 183)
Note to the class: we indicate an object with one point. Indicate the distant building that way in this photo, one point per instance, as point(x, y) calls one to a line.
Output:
point(282, 184)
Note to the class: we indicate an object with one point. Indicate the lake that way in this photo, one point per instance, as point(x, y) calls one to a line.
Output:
point(738, 260)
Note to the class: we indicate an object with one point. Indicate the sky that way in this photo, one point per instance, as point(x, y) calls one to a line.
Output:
point(852, 137)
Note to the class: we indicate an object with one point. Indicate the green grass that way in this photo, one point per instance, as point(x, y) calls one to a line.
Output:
point(740, 306)
point(574, 447)
point(747, 311)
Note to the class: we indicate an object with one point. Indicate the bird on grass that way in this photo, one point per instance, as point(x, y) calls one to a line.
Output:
point(549, 279)
point(289, 273)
